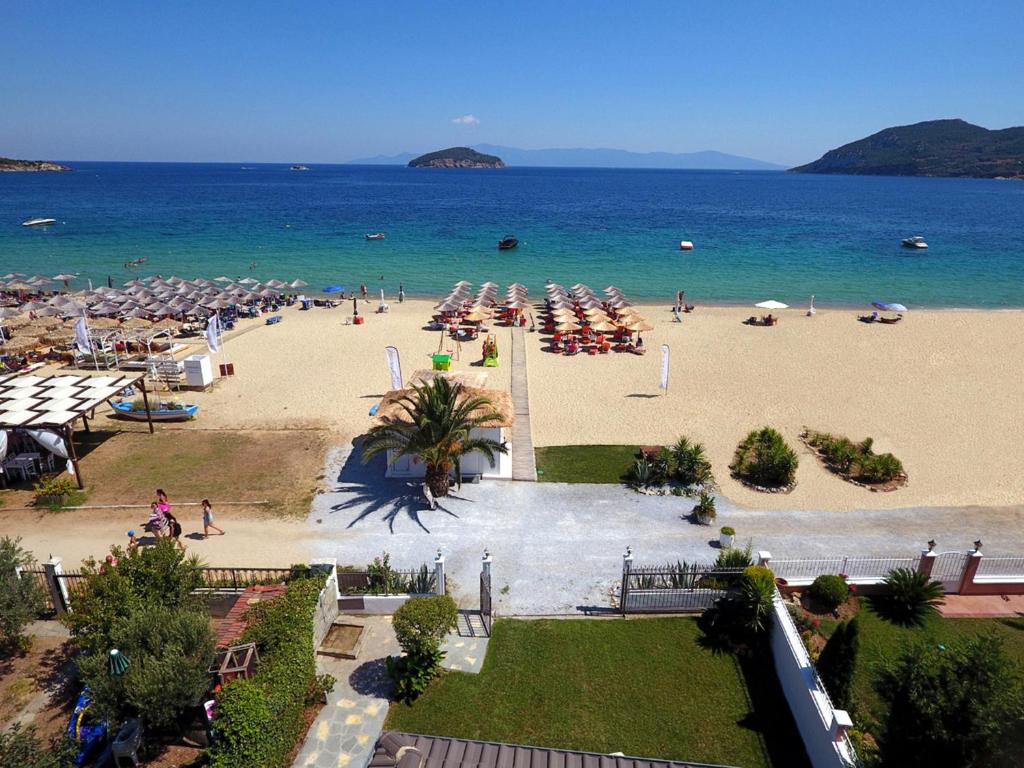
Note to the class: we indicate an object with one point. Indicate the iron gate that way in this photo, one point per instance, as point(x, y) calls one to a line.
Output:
point(948, 568)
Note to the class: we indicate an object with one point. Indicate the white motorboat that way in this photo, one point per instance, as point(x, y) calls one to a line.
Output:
point(916, 242)
point(685, 245)
point(38, 222)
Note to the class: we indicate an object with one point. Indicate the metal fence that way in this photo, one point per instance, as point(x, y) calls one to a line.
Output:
point(418, 581)
point(678, 588)
point(1012, 567)
point(39, 577)
point(486, 608)
point(851, 567)
point(237, 579)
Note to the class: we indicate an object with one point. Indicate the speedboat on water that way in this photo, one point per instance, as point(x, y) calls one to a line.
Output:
point(38, 222)
point(298, 168)
point(507, 243)
point(685, 245)
point(375, 236)
point(914, 242)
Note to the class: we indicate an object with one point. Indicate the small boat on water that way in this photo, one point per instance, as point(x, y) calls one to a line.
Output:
point(298, 168)
point(38, 222)
point(162, 411)
point(685, 245)
point(507, 243)
point(375, 236)
point(917, 242)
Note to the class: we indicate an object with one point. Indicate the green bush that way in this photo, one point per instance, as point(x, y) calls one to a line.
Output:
point(728, 530)
point(21, 599)
point(691, 466)
point(909, 597)
point(645, 473)
point(763, 459)
point(959, 704)
point(420, 625)
point(838, 661)
point(735, 558)
point(705, 509)
point(21, 747)
point(829, 591)
point(169, 651)
point(259, 720)
point(855, 460)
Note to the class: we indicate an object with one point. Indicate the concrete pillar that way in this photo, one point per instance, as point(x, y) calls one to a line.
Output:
point(970, 569)
point(485, 564)
point(927, 562)
point(627, 566)
point(58, 588)
point(764, 557)
point(439, 572)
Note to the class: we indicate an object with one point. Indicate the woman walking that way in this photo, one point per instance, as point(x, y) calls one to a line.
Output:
point(208, 520)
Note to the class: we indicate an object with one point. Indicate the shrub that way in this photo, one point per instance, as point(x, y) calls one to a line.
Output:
point(855, 460)
point(691, 464)
point(169, 650)
point(745, 614)
point(728, 530)
point(56, 490)
point(22, 748)
point(838, 661)
point(384, 580)
point(829, 591)
point(909, 597)
point(644, 473)
point(763, 459)
point(705, 510)
point(259, 720)
point(21, 600)
point(735, 558)
point(420, 625)
point(953, 705)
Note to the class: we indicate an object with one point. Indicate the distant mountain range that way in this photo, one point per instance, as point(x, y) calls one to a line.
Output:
point(931, 148)
point(599, 158)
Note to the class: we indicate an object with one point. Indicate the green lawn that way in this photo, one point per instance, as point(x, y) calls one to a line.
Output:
point(584, 463)
point(880, 641)
point(645, 687)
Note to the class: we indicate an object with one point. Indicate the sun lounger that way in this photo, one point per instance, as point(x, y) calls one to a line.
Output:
point(274, 319)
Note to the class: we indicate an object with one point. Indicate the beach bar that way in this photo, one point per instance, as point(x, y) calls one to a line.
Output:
point(46, 407)
point(473, 465)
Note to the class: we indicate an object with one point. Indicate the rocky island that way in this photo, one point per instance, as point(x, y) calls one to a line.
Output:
point(931, 148)
point(456, 157)
point(7, 165)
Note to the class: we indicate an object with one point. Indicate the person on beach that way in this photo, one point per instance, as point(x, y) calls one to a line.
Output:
point(208, 520)
point(162, 501)
point(679, 301)
point(675, 315)
point(174, 529)
point(157, 520)
point(362, 292)
point(401, 292)
point(133, 542)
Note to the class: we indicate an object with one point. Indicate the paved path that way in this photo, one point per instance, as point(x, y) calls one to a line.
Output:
point(346, 730)
point(524, 465)
point(558, 548)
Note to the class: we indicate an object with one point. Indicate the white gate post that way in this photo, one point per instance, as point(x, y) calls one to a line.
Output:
point(439, 573)
point(58, 588)
point(486, 565)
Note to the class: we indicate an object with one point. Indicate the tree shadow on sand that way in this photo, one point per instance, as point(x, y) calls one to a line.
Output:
point(370, 495)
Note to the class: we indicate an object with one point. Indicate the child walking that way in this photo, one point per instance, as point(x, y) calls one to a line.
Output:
point(208, 520)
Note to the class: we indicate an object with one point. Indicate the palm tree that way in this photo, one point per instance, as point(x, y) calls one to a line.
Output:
point(436, 427)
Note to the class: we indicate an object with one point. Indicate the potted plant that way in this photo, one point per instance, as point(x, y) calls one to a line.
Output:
point(726, 536)
point(54, 490)
point(705, 511)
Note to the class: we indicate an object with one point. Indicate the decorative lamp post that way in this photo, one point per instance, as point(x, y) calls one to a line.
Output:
point(117, 663)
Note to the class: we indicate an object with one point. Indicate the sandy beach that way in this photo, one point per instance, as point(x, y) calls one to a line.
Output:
point(941, 390)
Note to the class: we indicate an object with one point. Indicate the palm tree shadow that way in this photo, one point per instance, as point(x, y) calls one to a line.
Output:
point(369, 494)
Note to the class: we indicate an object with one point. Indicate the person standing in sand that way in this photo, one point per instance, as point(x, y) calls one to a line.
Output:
point(208, 520)
point(362, 292)
point(401, 292)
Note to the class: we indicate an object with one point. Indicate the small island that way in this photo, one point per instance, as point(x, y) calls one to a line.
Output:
point(7, 165)
point(931, 148)
point(456, 157)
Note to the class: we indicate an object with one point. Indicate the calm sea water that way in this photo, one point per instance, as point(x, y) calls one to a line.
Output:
point(757, 235)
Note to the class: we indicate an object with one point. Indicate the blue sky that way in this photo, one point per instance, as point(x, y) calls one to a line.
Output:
point(332, 81)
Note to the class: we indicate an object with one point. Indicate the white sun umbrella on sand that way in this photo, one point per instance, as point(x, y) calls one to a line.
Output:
point(222, 279)
point(275, 284)
point(298, 284)
point(32, 306)
point(771, 304)
point(248, 281)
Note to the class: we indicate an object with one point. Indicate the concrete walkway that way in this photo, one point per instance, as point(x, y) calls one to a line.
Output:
point(982, 606)
point(346, 730)
point(558, 548)
point(524, 465)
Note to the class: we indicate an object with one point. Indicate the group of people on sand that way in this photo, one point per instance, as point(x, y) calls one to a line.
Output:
point(163, 524)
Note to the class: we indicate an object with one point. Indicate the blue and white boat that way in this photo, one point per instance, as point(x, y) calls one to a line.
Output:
point(163, 412)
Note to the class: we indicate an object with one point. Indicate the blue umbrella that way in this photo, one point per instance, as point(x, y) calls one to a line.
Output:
point(885, 307)
point(333, 289)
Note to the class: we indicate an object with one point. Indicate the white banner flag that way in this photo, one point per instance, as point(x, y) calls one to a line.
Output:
point(664, 367)
point(213, 333)
point(82, 337)
point(395, 366)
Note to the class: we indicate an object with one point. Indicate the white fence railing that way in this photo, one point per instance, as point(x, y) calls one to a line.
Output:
point(1012, 567)
point(851, 567)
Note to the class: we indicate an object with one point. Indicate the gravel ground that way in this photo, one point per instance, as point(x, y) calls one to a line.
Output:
point(557, 548)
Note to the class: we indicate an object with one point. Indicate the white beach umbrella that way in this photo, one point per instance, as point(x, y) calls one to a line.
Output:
point(248, 281)
point(298, 284)
point(222, 279)
point(771, 304)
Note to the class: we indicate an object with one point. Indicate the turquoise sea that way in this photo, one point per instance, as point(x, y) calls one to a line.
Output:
point(758, 235)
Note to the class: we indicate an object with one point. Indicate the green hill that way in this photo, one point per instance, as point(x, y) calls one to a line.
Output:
point(456, 157)
point(932, 148)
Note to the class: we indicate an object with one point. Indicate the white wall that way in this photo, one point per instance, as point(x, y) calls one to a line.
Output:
point(818, 721)
point(473, 464)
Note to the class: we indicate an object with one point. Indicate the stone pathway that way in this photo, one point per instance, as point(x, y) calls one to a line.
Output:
point(982, 606)
point(346, 730)
point(524, 464)
point(464, 654)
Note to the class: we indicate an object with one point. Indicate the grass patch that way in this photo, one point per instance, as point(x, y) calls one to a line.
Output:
point(881, 641)
point(644, 687)
point(584, 463)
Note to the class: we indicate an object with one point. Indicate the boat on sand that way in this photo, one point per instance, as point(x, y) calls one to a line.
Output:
point(161, 411)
